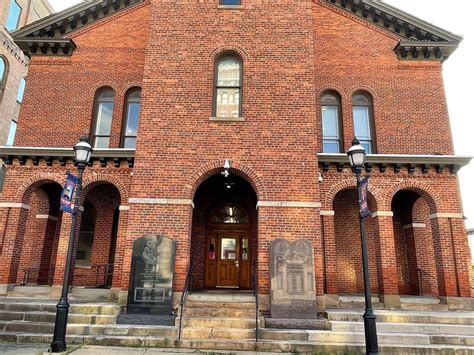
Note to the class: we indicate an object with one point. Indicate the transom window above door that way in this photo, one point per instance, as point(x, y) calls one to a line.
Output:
point(230, 214)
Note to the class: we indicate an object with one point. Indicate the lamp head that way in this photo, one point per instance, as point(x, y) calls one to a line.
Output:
point(356, 154)
point(82, 151)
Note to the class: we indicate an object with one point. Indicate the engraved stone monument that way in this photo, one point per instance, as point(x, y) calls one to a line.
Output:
point(151, 277)
point(292, 294)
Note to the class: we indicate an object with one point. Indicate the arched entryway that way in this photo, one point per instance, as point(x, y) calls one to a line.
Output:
point(224, 233)
point(350, 278)
point(416, 262)
point(96, 243)
point(39, 247)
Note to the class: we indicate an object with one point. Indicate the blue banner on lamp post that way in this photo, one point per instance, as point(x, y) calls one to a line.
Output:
point(364, 189)
point(67, 195)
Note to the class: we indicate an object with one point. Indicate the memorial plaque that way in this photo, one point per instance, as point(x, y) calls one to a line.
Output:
point(292, 293)
point(151, 277)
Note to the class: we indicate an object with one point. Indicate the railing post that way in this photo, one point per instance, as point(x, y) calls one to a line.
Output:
point(25, 277)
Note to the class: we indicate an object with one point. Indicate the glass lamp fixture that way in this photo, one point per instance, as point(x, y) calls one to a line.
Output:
point(82, 151)
point(356, 154)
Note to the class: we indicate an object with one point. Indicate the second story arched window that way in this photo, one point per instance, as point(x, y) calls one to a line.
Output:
point(331, 122)
point(3, 72)
point(228, 87)
point(362, 111)
point(103, 112)
point(131, 117)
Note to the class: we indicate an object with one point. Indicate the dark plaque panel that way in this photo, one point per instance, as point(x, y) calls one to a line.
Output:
point(292, 286)
point(151, 277)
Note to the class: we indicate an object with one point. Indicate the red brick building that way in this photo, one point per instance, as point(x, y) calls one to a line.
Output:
point(279, 89)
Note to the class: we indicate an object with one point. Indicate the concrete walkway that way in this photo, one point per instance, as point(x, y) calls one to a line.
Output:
point(40, 349)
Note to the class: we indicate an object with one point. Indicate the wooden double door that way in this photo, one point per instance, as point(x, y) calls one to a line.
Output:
point(228, 259)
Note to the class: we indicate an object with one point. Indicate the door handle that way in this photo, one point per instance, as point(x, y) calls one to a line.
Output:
point(237, 263)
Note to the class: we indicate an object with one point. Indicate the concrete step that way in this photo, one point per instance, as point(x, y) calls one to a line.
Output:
point(412, 328)
point(46, 317)
point(31, 305)
point(357, 299)
point(122, 330)
point(219, 312)
point(404, 316)
point(89, 294)
point(30, 292)
point(424, 307)
point(221, 297)
point(219, 305)
point(360, 305)
point(420, 299)
point(237, 323)
point(218, 333)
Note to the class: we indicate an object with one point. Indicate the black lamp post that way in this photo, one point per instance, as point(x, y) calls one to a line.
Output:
point(356, 156)
point(82, 156)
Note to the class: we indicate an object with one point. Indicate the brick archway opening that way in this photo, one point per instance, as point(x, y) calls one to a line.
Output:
point(350, 279)
point(95, 246)
point(41, 235)
point(224, 211)
point(414, 245)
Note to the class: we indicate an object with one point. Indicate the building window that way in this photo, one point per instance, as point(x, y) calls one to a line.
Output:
point(362, 111)
point(229, 2)
point(230, 214)
point(104, 108)
point(331, 121)
point(13, 16)
point(11, 133)
point(228, 87)
point(132, 115)
point(3, 72)
point(21, 91)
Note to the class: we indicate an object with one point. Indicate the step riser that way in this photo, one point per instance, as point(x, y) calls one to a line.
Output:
point(235, 334)
point(422, 307)
point(220, 305)
point(402, 319)
point(79, 309)
point(218, 323)
point(212, 313)
point(406, 328)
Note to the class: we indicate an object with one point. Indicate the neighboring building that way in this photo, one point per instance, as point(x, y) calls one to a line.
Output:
point(169, 90)
point(14, 14)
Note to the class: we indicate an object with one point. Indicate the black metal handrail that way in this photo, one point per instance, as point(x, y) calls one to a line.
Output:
point(38, 270)
point(257, 305)
point(433, 281)
point(187, 289)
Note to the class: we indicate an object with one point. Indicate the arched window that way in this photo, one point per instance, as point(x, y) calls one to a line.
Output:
point(21, 91)
point(103, 112)
point(230, 214)
point(132, 115)
point(3, 72)
point(331, 121)
point(228, 83)
point(362, 111)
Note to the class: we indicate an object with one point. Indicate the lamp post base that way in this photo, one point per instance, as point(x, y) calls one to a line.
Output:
point(370, 327)
point(59, 340)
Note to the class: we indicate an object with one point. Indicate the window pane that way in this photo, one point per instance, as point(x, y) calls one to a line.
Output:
point(11, 133)
point(130, 142)
point(101, 142)
point(361, 123)
point(228, 72)
point(330, 146)
point(367, 146)
point(13, 16)
point(132, 119)
point(330, 122)
point(228, 249)
point(104, 118)
point(229, 2)
point(21, 91)
point(228, 103)
point(2, 70)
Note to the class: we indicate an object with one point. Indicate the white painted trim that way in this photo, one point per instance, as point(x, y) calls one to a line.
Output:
point(46, 216)
point(382, 214)
point(14, 205)
point(446, 215)
point(124, 208)
point(327, 213)
point(161, 201)
point(288, 204)
point(414, 225)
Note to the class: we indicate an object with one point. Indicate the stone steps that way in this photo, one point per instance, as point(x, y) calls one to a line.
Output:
point(219, 312)
point(236, 323)
point(460, 318)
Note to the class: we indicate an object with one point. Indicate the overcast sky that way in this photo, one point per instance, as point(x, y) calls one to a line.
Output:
point(455, 16)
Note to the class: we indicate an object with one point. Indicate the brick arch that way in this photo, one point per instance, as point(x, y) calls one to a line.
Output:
point(92, 181)
point(216, 52)
point(336, 89)
point(130, 86)
point(423, 189)
point(103, 84)
point(346, 184)
point(29, 185)
point(366, 89)
point(204, 172)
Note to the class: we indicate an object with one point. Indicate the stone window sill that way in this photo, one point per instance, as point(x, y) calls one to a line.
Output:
point(230, 7)
point(227, 119)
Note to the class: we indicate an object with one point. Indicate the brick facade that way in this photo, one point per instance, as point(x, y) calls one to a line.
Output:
point(169, 50)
